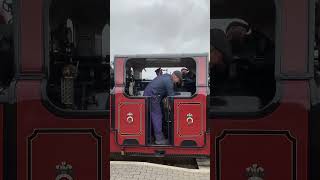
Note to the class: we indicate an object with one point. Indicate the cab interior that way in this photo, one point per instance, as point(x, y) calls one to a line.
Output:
point(7, 50)
point(317, 44)
point(77, 54)
point(250, 84)
point(135, 85)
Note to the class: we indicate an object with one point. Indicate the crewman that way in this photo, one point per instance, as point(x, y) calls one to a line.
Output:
point(158, 89)
point(248, 41)
point(187, 74)
point(237, 34)
point(158, 72)
point(189, 80)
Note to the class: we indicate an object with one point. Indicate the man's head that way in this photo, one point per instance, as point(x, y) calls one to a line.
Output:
point(158, 71)
point(177, 77)
point(236, 31)
point(184, 71)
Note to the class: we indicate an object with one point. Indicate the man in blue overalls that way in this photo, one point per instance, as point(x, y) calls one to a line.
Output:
point(157, 89)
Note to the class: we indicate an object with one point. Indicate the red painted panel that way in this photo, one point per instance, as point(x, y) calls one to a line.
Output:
point(78, 150)
point(202, 71)
point(189, 119)
point(119, 68)
point(196, 131)
point(238, 152)
point(31, 36)
point(130, 119)
point(126, 129)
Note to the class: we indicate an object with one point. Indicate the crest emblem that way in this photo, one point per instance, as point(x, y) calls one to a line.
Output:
point(255, 172)
point(64, 171)
point(130, 118)
point(189, 119)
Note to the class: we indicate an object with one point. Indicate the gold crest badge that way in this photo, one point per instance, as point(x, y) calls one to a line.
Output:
point(189, 119)
point(64, 171)
point(255, 172)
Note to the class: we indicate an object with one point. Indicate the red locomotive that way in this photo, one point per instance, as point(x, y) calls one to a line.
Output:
point(58, 122)
point(185, 124)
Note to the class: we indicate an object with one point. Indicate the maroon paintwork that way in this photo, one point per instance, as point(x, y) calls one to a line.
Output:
point(278, 141)
point(231, 158)
point(31, 29)
point(294, 36)
point(45, 140)
point(264, 140)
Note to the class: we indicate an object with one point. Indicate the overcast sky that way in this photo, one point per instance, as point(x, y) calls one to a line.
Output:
point(159, 26)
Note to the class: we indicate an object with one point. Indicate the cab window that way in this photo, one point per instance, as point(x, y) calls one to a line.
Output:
point(140, 72)
point(77, 61)
point(6, 44)
point(242, 55)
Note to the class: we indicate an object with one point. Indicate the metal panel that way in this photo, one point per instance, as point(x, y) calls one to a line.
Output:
point(190, 121)
point(249, 152)
point(130, 119)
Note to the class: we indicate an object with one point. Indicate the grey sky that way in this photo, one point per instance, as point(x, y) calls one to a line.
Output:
point(159, 26)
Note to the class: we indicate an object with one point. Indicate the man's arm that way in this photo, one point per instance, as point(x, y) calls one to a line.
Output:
point(170, 91)
point(169, 88)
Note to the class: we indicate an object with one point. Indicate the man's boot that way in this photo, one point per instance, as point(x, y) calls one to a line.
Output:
point(160, 140)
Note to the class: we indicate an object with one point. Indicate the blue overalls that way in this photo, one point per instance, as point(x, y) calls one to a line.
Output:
point(158, 88)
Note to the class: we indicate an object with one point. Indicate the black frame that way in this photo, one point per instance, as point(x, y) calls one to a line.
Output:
point(278, 76)
point(9, 103)
point(10, 96)
point(69, 114)
point(314, 111)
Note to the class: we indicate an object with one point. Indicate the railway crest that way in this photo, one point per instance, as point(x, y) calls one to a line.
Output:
point(130, 117)
point(64, 171)
point(255, 172)
point(190, 119)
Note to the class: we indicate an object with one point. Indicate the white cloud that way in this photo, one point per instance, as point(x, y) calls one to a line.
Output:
point(159, 26)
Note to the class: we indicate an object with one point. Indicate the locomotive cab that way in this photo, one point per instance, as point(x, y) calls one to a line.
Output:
point(140, 72)
point(184, 115)
point(77, 55)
